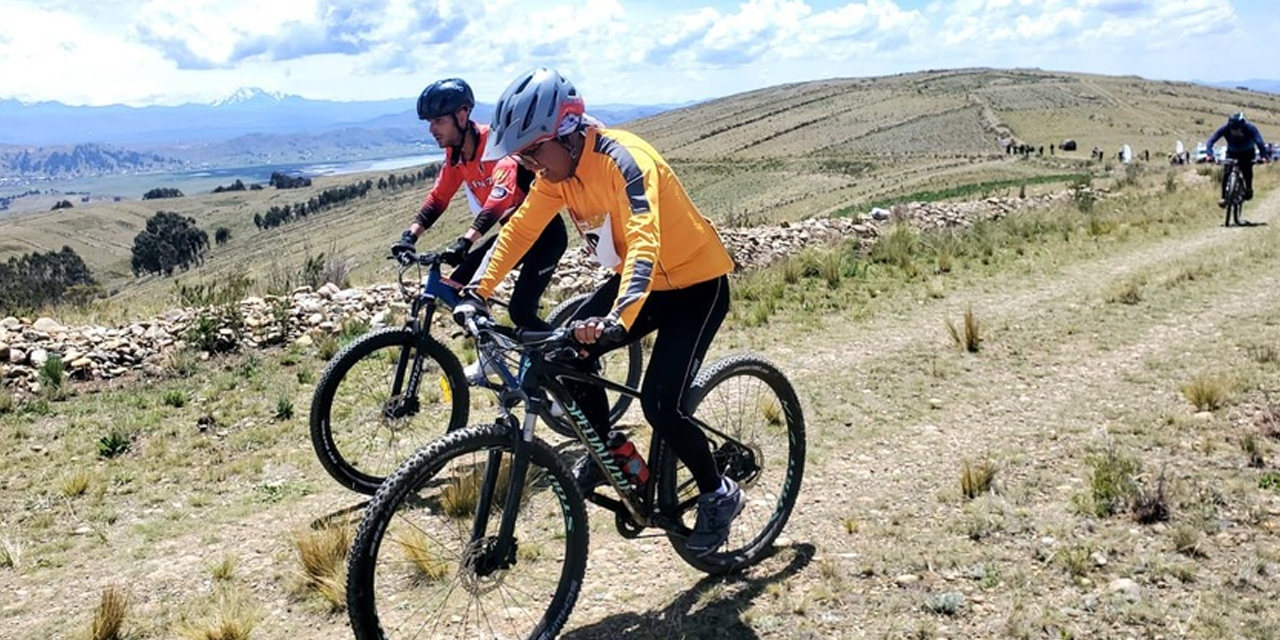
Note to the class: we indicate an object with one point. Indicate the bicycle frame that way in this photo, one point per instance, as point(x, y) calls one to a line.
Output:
point(538, 377)
point(436, 288)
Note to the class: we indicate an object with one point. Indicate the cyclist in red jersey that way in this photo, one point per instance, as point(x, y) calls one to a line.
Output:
point(494, 189)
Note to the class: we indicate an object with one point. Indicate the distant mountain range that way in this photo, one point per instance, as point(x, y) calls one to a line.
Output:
point(49, 139)
point(1269, 86)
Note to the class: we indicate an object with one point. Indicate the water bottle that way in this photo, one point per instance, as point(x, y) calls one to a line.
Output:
point(625, 454)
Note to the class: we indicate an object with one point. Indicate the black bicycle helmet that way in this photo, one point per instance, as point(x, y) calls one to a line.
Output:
point(444, 97)
point(1237, 117)
point(531, 110)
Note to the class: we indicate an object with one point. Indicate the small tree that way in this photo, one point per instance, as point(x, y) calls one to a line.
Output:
point(221, 236)
point(170, 241)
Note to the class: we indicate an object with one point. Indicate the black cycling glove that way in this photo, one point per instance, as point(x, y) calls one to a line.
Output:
point(405, 246)
point(456, 250)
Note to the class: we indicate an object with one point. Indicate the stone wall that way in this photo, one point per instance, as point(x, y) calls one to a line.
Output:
point(97, 353)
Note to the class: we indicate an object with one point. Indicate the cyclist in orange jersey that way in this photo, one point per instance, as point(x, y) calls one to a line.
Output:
point(494, 189)
point(671, 269)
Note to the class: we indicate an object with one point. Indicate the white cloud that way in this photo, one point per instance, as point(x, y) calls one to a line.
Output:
point(618, 50)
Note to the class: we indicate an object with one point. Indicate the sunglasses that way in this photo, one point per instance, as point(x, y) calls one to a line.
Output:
point(530, 155)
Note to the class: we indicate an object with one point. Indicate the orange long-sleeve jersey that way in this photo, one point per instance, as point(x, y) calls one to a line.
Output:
point(634, 215)
point(493, 188)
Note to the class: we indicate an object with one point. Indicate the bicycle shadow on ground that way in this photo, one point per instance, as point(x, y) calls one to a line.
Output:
point(346, 516)
point(719, 602)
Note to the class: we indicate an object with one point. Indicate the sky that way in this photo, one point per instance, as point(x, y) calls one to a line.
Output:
point(168, 52)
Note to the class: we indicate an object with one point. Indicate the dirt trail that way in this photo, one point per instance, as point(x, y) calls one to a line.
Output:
point(891, 412)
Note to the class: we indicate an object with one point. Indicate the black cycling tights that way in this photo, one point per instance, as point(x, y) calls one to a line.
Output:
point(686, 320)
point(1245, 162)
point(536, 268)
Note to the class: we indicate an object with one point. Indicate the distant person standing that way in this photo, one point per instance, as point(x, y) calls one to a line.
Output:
point(1242, 138)
point(495, 188)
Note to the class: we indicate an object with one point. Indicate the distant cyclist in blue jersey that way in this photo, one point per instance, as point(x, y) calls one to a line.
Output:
point(1242, 138)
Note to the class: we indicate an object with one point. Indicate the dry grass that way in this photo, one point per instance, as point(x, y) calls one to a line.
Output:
point(417, 549)
point(323, 555)
point(109, 616)
point(75, 483)
point(976, 479)
point(968, 338)
point(230, 618)
point(1207, 392)
point(1064, 371)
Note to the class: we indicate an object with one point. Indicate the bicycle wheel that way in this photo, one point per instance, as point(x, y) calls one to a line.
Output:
point(756, 427)
point(1234, 194)
point(415, 572)
point(624, 366)
point(365, 421)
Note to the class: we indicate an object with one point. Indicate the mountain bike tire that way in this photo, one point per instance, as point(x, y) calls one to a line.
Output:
point(361, 428)
point(747, 398)
point(412, 571)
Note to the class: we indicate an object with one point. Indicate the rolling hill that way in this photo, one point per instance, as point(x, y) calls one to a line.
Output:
point(782, 153)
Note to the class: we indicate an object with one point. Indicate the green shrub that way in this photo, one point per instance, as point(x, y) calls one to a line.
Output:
point(284, 408)
point(53, 372)
point(114, 444)
point(176, 398)
point(1112, 481)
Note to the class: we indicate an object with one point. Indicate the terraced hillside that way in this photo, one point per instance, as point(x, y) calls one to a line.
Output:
point(798, 149)
point(782, 153)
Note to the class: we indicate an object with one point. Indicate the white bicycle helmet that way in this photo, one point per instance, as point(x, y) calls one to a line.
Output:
point(530, 111)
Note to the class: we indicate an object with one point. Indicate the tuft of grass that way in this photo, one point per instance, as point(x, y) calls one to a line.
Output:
point(176, 398)
point(232, 620)
point(182, 364)
point(1129, 293)
point(7, 401)
point(1206, 392)
point(831, 267)
point(76, 483)
point(1186, 540)
point(1253, 448)
point(970, 338)
point(428, 565)
point(53, 372)
point(223, 570)
point(771, 411)
point(461, 496)
point(1263, 353)
point(10, 554)
point(1076, 560)
point(1150, 507)
point(108, 618)
point(114, 444)
point(1269, 480)
point(323, 555)
point(1112, 481)
point(851, 525)
point(976, 479)
point(284, 408)
point(898, 248)
point(327, 346)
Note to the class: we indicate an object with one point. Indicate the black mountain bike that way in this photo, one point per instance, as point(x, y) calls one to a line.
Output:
point(484, 533)
point(1233, 193)
point(396, 388)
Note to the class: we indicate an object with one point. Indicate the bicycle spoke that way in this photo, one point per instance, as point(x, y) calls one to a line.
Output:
point(432, 578)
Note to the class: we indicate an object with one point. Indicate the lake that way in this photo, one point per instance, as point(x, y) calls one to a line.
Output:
point(132, 186)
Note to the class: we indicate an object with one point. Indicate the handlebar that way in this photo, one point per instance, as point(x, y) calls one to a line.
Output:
point(546, 340)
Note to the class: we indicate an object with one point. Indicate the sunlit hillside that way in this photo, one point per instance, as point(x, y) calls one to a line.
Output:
point(782, 153)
